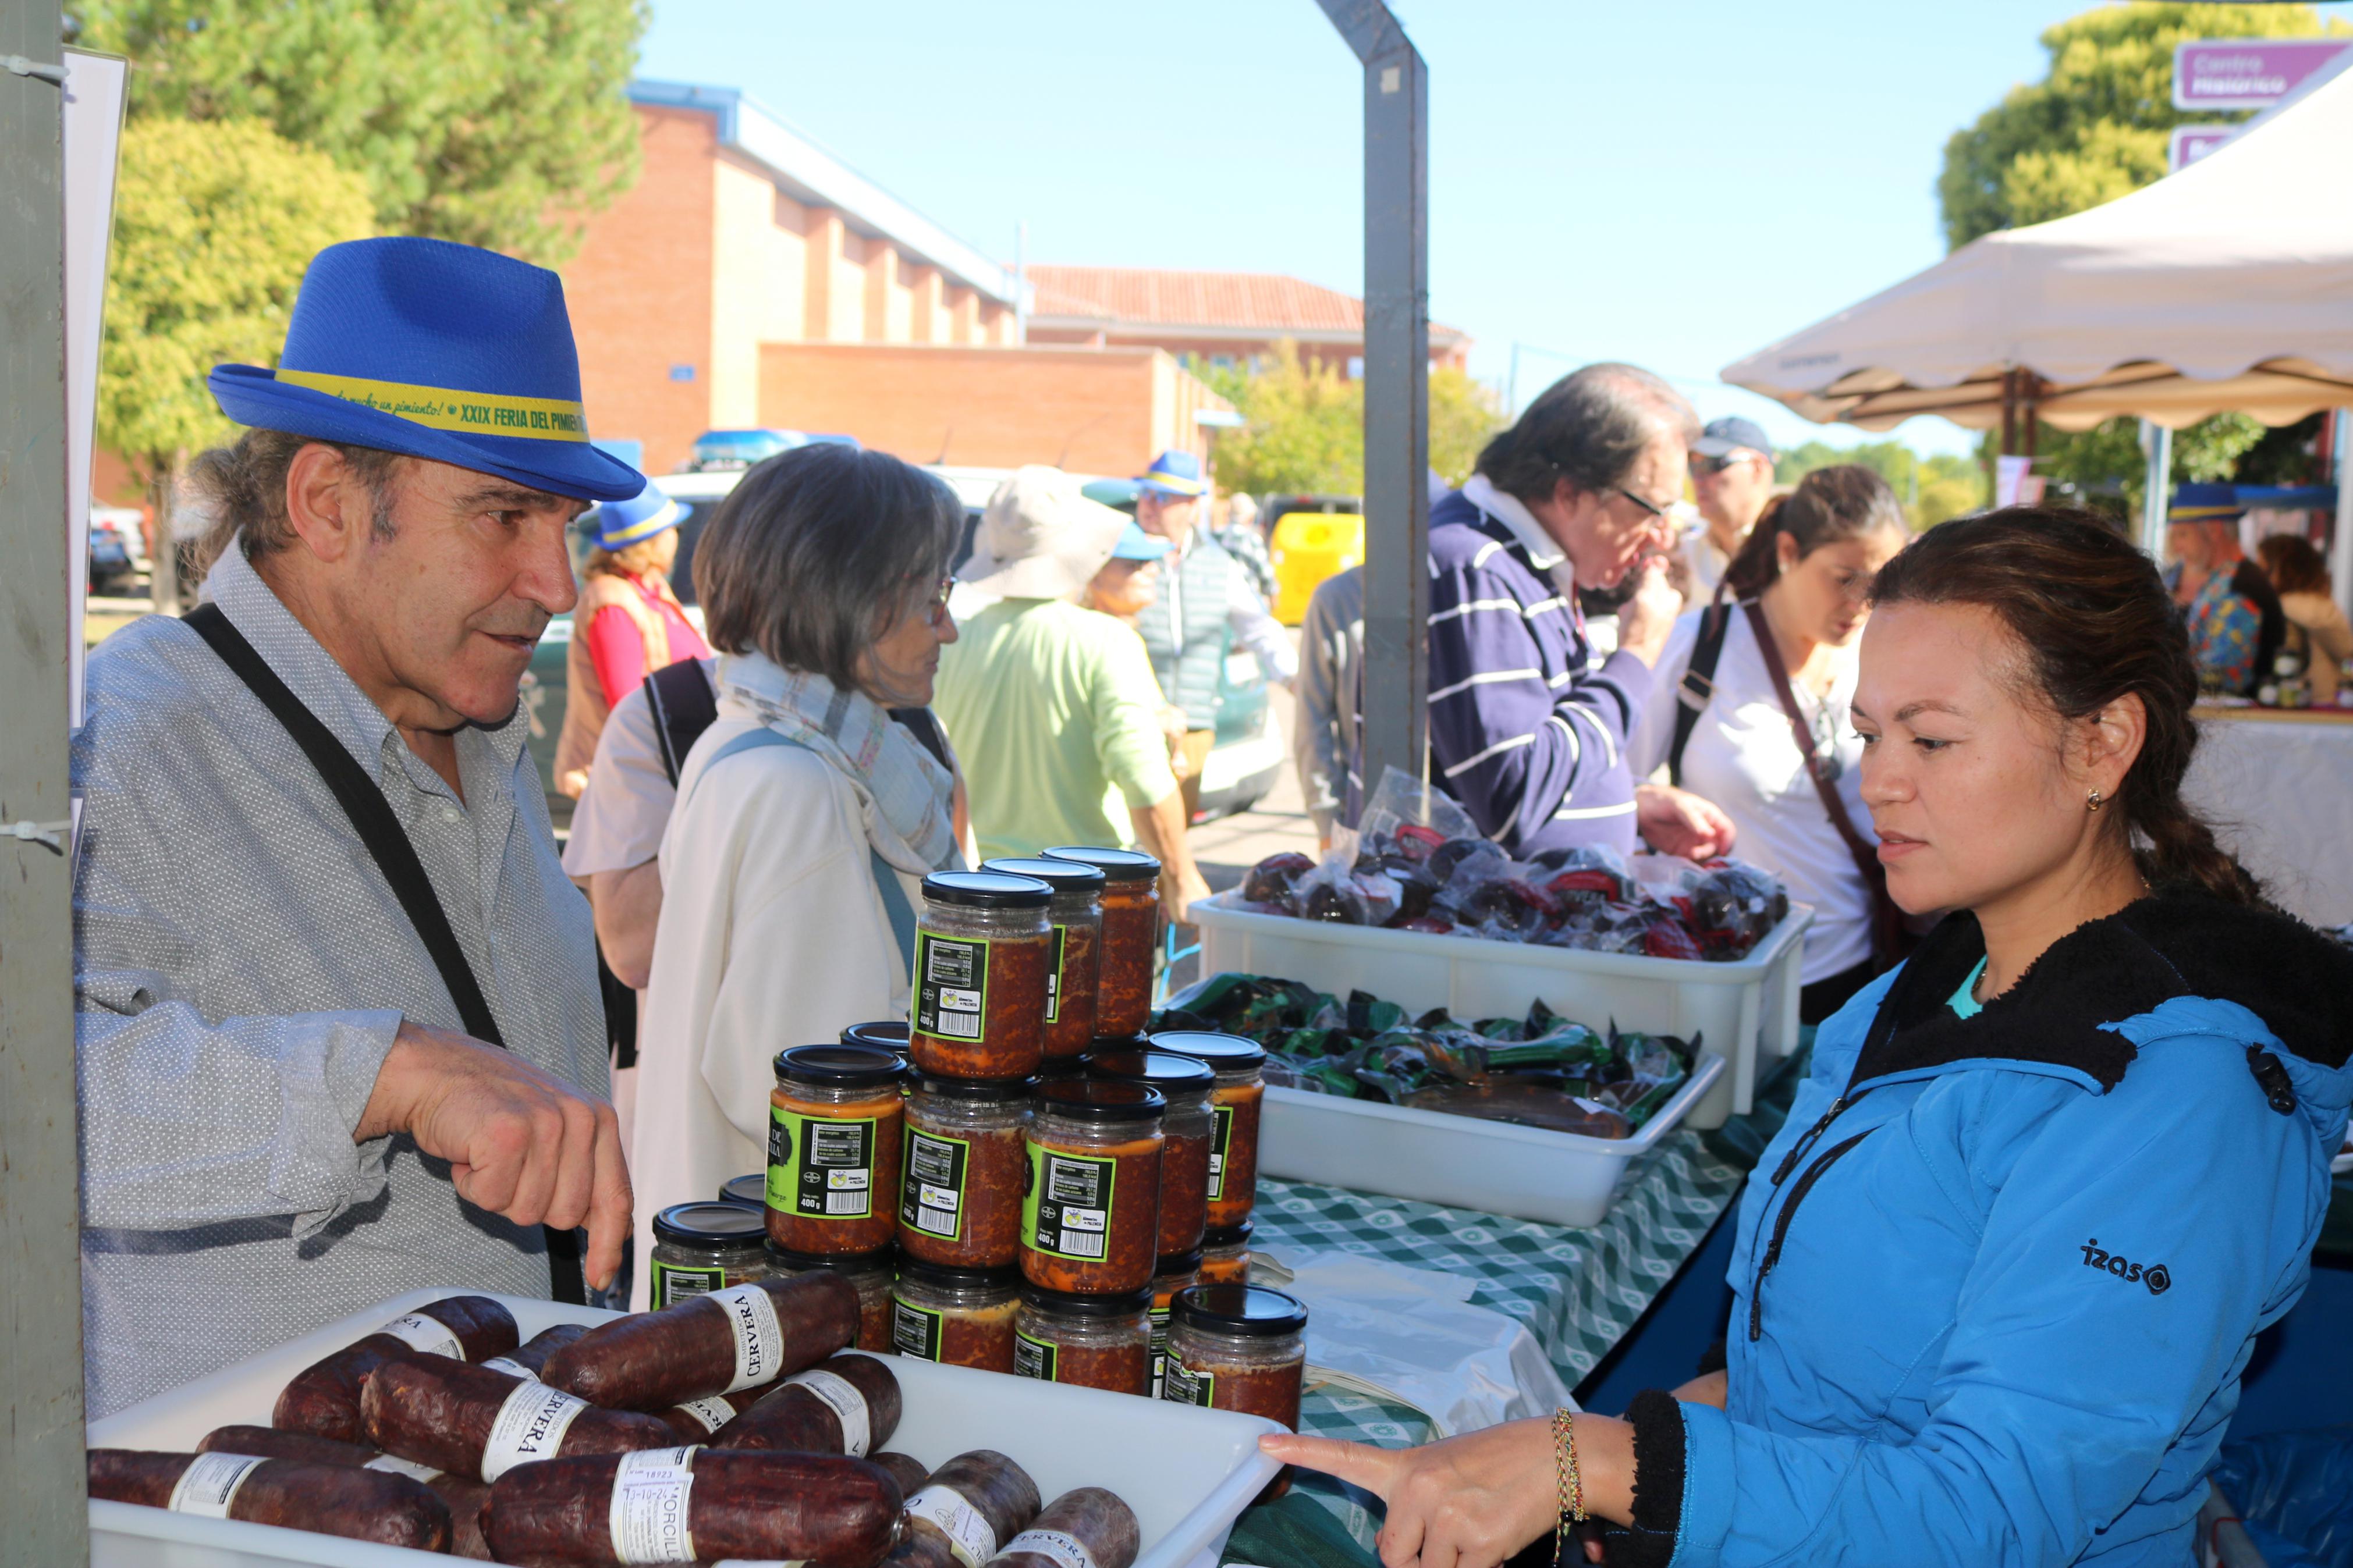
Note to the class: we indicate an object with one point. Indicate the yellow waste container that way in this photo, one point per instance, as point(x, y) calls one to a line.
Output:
point(1306, 548)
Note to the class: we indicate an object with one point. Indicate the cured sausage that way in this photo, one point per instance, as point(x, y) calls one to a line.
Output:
point(970, 1506)
point(1088, 1528)
point(905, 1469)
point(463, 1496)
point(729, 1340)
point(324, 1397)
point(472, 1420)
point(527, 1360)
point(848, 1405)
point(678, 1505)
point(334, 1499)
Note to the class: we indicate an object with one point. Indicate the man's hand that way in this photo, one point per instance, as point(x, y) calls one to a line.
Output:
point(1648, 614)
point(520, 1142)
point(1178, 891)
point(1677, 822)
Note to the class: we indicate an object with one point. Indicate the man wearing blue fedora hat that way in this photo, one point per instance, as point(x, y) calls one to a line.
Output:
point(2232, 612)
point(1207, 607)
point(339, 1032)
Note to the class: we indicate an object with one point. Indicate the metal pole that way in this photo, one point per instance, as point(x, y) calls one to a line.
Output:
point(2157, 442)
point(1396, 388)
point(2340, 543)
point(41, 1468)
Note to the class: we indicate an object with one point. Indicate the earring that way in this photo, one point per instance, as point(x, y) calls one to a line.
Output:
point(2093, 801)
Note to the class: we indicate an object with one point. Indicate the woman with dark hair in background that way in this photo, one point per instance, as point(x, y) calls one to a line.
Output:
point(1748, 709)
point(2318, 631)
point(806, 819)
point(1998, 1273)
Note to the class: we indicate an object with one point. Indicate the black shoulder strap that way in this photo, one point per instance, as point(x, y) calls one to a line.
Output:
point(372, 818)
point(925, 726)
point(684, 705)
point(1698, 684)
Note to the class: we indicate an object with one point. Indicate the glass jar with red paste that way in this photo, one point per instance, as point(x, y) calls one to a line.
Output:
point(963, 1317)
point(1225, 1254)
point(1238, 1347)
point(981, 950)
point(1092, 1214)
point(1093, 1341)
point(1130, 934)
point(871, 1272)
point(1186, 1127)
point(1236, 1101)
point(968, 1165)
point(1075, 918)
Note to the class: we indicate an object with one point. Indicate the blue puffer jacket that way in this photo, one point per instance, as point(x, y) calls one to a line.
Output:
point(1996, 1281)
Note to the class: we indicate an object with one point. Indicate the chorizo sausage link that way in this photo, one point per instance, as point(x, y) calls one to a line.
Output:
point(829, 1511)
point(730, 1340)
point(846, 1405)
point(333, 1500)
point(474, 1422)
point(970, 1506)
point(1088, 1528)
point(324, 1397)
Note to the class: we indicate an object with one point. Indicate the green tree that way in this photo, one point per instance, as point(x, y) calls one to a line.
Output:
point(1306, 426)
point(494, 122)
point(214, 224)
point(1932, 489)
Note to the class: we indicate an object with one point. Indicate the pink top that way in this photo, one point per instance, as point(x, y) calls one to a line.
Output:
point(619, 653)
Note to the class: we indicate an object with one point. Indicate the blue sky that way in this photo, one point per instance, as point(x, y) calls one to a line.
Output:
point(1672, 182)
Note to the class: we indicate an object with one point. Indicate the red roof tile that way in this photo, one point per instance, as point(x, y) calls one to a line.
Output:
point(1142, 297)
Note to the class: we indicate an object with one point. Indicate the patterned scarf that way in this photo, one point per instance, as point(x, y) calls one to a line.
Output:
point(906, 792)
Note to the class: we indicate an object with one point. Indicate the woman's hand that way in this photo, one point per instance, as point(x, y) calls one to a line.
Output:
point(1708, 1388)
point(1677, 822)
point(1467, 1502)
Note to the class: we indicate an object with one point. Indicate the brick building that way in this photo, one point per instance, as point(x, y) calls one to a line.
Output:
point(1223, 318)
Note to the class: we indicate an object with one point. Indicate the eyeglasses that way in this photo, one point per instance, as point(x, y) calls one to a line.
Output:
point(1701, 466)
point(1658, 512)
point(936, 608)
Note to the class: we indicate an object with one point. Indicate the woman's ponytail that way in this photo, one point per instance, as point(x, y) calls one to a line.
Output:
point(1845, 500)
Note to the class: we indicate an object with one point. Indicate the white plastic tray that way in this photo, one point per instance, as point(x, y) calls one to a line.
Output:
point(1462, 1162)
point(1746, 1012)
point(1188, 1473)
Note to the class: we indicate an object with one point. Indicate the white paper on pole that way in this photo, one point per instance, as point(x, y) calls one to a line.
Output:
point(93, 132)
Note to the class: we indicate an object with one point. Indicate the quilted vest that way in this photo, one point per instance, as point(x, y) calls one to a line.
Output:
point(1187, 630)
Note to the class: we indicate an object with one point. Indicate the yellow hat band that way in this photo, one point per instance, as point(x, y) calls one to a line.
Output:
point(446, 409)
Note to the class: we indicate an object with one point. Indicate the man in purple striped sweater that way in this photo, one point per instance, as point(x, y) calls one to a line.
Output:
point(1527, 729)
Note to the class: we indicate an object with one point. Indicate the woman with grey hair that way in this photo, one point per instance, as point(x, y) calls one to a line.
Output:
point(806, 819)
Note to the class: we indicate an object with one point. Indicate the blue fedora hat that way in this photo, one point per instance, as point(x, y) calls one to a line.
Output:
point(1174, 473)
point(621, 523)
point(433, 350)
point(2204, 502)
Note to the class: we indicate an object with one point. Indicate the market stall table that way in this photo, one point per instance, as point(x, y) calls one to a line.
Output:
point(2278, 784)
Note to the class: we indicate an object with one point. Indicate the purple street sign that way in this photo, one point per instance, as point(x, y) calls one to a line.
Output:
point(2191, 142)
point(2246, 73)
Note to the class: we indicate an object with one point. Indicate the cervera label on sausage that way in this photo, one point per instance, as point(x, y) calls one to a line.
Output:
point(1033, 1358)
point(969, 1534)
point(932, 1197)
point(842, 1396)
point(676, 1282)
point(714, 1412)
point(209, 1484)
point(1184, 1385)
point(647, 1515)
point(820, 1169)
point(916, 1331)
point(1067, 1211)
point(511, 1367)
point(1063, 1551)
point(759, 1342)
point(950, 985)
point(430, 1335)
point(1218, 1142)
point(1055, 972)
point(400, 1466)
point(529, 1426)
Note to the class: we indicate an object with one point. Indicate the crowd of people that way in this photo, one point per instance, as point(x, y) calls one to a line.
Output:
point(340, 1029)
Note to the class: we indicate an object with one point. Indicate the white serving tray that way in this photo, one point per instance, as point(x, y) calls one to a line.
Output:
point(1745, 1011)
point(1462, 1161)
point(1188, 1473)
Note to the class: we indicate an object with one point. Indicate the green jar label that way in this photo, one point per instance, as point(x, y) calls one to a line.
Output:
point(1054, 974)
point(1218, 1142)
point(676, 1282)
point(930, 1199)
point(1184, 1385)
point(1067, 1211)
point(1033, 1358)
point(820, 1169)
point(916, 1330)
point(950, 985)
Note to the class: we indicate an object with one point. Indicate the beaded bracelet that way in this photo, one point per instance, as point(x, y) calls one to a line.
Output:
point(1572, 1486)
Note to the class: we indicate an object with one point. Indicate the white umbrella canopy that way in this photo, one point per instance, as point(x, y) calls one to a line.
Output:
point(2228, 286)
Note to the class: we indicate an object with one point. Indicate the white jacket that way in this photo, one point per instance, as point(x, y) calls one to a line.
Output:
point(772, 934)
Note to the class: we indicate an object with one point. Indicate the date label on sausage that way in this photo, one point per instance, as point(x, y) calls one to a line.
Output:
point(429, 1335)
point(1218, 1142)
point(1062, 1550)
point(970, 1536)
point(1067, 1211)
point(647, 1515)
point(1183, 1385)
point(1033, 1358)
point(818, 1168)
point(529, 1426)
point(916, 1330)
point(950, 985)
point(930, 1199)
point(842, 1396)
point(676, 1282)
point(209, 1484)
point(759, 1339)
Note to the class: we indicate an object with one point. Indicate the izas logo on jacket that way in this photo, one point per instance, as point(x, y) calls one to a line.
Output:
point(2156, 1276)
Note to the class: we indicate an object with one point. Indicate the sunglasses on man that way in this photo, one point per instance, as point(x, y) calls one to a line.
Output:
point(1703, 465)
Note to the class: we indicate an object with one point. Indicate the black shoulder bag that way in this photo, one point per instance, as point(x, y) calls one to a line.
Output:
point(1698, 684)
point(684, 706)
point(372, 818)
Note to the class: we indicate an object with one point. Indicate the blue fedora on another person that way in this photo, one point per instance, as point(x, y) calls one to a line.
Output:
point(2204, 502)
point(1174, 473)
point(621, 523)
point(1134, 544)
point(439, 351)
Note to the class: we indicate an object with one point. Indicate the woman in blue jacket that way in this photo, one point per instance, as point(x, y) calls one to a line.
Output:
point(1994, 1282)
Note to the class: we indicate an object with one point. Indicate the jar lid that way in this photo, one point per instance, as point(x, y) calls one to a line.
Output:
point(1062, 876)
point(889, 1035)
point(1238, 1309)
point(1227, 1053)
point(1164, 1070)
point(986, 891)
point(1077, 1306)
point(841, 1066)
point(978, 1088)
point(836, 1263)
point(914, 1271)
point(1118, 865)
point(751, 1191)
point(1219, 1236)
point(1181, 1263)
point(710, 1224)
point(1100, 1100)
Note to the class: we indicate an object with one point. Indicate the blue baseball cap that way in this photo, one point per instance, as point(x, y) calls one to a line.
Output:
point(1134, 544)
point(1174, 473)
point(1724, 436)
point(621, 523)
point(433, 350)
